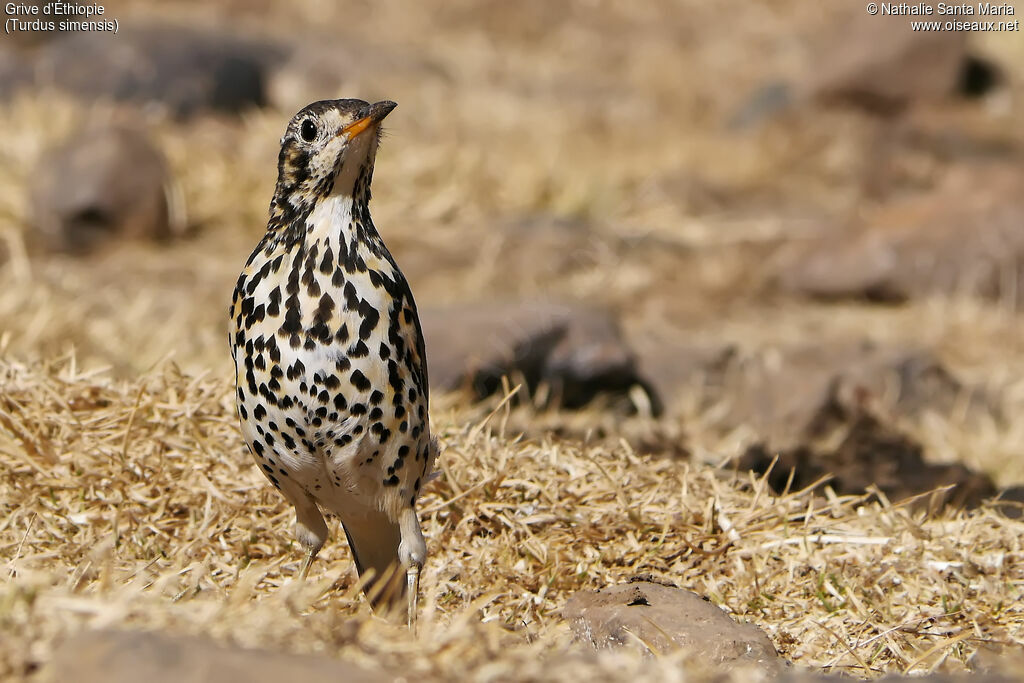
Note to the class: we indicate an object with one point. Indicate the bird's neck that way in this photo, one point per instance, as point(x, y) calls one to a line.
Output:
point(337, 220)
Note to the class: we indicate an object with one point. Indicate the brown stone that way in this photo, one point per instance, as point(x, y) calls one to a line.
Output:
point(576, 350)
point(136, 657)
point(788, 394)
point(183, 70)
point(964, 237)
point(100, 184)
point(663, 618)
point(878, 63)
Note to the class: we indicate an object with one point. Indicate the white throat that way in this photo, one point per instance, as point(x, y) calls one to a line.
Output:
point(356, 157)
point(331, 218)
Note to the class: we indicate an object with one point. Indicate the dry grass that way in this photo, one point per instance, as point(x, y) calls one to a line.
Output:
point(134, 504)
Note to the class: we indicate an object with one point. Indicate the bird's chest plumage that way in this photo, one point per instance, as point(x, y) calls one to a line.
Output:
point(329, 366)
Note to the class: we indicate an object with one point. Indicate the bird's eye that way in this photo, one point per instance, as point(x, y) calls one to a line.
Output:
point(308, 130)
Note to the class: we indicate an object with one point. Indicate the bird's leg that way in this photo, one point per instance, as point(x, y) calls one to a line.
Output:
point(310, 530)
point(412, 553)
point(412, 575)
point(307, 563)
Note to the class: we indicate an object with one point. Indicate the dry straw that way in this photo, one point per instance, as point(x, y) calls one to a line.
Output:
point(133, 504)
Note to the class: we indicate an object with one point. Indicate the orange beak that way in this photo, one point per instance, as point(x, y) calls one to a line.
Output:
point(372, 116)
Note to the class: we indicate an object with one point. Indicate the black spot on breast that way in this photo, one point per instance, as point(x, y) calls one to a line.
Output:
point(358, 350)
point(351, 297)
point(327, 264)
point(274, 302)
point(370, 316)
point(292, 317)
point(321, 332)
point(295, 370)
point(359, 380)
point(325, 308)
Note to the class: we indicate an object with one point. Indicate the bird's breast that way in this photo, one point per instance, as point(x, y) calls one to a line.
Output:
point(330, 379)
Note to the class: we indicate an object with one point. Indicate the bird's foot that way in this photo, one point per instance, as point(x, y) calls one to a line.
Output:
point(306, 564)
point(412, 575)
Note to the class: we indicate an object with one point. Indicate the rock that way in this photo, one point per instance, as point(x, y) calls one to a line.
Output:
point(789, 394)
point(185, 70)
point(664, 618)
point(871, 453)
point(878, 63)
point(964, 237)
point(677, 369)
point(577, 350)
point(102, 183)
point(1011, 502)
point(131, 657)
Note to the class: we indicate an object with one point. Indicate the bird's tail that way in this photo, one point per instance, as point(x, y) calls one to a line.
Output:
point(374, 543)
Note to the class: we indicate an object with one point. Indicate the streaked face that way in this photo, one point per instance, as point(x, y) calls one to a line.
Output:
point(326, 144)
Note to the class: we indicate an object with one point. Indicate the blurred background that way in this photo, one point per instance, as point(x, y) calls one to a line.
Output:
point(722, 230)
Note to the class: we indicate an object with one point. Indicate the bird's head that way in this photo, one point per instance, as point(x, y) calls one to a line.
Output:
point(328, 148)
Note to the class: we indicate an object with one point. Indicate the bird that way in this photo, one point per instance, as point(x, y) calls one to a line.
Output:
point(330, 363)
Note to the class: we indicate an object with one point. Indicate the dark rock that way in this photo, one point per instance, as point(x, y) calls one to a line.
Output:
point(578, 351)
point(185, 70)
point(665, 618)
point(871, 453)
point(131, 657)
point(101, 183)
point(1011, 502)
point(878, 63)
point(787, 395)
point(965, 237)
